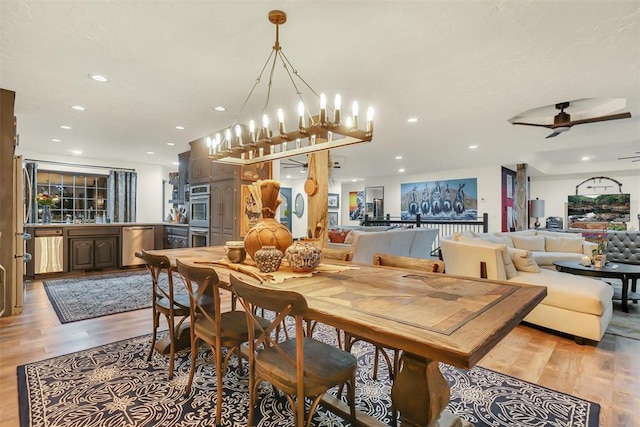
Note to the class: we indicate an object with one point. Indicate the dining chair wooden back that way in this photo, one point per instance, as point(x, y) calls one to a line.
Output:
point(338, 254)
point(166, 302)
point(299, 366)
point(211, 325)
point(428, 265)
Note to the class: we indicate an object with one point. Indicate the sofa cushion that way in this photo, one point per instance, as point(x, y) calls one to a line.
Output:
point(559, 234)
point(529, 243)
point(548, 258)
point(523, 261)
point(351, 236)
point(569, 291)
point(509, 269)
point(562, 244)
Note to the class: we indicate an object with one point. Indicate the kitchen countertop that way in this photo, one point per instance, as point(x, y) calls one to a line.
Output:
point(111, 224)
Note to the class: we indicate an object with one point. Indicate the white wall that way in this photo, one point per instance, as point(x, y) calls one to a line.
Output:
point(150, 187)
point(554, 192)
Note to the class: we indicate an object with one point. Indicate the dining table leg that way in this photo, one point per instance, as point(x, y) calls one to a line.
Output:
point(421, 394)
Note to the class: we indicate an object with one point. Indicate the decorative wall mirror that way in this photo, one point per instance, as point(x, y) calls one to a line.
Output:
point(374, 201)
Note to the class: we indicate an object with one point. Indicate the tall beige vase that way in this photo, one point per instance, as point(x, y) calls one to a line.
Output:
point(268, 231)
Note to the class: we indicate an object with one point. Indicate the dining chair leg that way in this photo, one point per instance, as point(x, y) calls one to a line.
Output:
point(219, 375)
point(192, 368)
point(253, 393)
point(156, 322)
point(351, 398)
point(172, 345)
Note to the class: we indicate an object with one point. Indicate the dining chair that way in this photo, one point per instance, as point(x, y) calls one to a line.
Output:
point(299, 366)
point(209, 324)
point(337, 254)
point(426, 264)
point(165, 302)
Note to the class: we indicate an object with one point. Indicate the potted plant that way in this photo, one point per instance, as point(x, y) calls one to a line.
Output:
point(599, 258)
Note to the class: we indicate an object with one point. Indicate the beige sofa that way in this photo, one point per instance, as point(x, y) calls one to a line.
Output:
point(575, 305)
point(412, 242)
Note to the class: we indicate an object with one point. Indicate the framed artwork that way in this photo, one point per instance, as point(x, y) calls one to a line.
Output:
point(509, 187)
point(249, 214)
point(332, 220)
point(333, 201)
point(450, 199)
point(299, 206)
point(256, 171)
point(356, 205)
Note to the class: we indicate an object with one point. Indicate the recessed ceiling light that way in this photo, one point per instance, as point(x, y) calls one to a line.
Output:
point(98, 78)
point(220, 108)
point(398, 157)
point(78, 152)
point(150, 152)
point(401, 170)
point(176, 163)
point(354, 180)
point(303, 171)
point(473, 147)
point(171, 144)
point(412, 119)
point(56, 140)
point(288, 176)
point(78, 107)
point(180, 127)
point(585, 158)
point(65, 127)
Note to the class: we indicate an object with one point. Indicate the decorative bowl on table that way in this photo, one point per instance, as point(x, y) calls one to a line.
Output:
point(303, 256)
point(235, 252)
point(268, 259)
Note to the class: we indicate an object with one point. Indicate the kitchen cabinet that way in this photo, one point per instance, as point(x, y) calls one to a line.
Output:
point(176, 237)
point(224, 209)
point(93, 253)
point(202, 170)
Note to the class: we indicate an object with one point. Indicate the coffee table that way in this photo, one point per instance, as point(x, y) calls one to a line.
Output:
point(625, 272)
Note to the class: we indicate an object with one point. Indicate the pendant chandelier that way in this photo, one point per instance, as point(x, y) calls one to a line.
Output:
point(246, 144)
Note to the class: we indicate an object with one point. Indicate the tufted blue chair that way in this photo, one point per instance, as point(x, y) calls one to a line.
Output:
point(624, 247)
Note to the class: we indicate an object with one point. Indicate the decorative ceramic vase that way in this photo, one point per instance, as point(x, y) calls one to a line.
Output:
point(235, 252)
point(303, 256)
point(599, 261)
point(268, 259)
point(46, 214)
point(268, 231)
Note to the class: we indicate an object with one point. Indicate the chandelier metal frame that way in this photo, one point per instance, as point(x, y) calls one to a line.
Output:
point(244, 144)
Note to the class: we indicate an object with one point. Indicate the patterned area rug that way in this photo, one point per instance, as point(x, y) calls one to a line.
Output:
point(113, 385)
point(87, 297)
point(624, 324)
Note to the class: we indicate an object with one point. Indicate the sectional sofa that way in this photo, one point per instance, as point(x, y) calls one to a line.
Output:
point(575, 305)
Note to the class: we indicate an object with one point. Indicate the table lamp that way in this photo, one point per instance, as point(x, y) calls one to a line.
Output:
point(536, 209)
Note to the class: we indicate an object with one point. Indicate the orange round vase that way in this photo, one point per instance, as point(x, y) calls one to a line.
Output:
point(268, 231)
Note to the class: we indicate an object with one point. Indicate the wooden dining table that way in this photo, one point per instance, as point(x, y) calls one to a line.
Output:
point(431, 317)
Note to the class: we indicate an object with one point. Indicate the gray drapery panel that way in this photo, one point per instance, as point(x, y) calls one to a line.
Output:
point(122, 187)
point(32, 171)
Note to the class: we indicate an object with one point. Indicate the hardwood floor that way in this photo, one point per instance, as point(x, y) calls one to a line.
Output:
point(607, 373)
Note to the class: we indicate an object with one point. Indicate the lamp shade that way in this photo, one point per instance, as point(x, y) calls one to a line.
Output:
point(536, 208)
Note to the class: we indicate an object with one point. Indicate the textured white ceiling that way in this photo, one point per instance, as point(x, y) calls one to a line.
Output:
point(462, 67)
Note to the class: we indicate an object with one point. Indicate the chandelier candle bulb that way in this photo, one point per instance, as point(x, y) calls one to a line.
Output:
point(323, 108)
point(301, 116)
point(336, 112)
point(252, 131)
point(370, 120)
point(265, 125)
point(349, 123)
point(354, 114)
point(227, 137)
point(239, 135)
point(281, 128)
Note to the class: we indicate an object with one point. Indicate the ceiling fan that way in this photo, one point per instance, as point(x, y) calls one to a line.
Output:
point(562, 121)
point(635, 158)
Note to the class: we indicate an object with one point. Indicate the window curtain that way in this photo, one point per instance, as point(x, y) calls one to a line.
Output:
point(31, 169)
point(122, 187)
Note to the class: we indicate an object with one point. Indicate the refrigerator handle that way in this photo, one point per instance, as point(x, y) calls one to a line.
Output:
point(28, 195)
point(4, 282)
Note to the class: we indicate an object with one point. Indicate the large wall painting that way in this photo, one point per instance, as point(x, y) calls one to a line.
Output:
point(593, 211)
point(356, 205)
point(451, 199)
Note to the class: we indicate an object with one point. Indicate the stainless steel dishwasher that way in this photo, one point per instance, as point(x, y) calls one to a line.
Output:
point(48, 250)
point(134, 239)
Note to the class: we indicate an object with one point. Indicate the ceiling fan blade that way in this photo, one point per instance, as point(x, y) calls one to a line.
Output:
point(628, 157)
point(533, 124)
point(553, 135)
point(599, 119)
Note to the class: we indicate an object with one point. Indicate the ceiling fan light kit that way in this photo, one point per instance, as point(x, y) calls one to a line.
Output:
point(247, 144)
point(562, 121)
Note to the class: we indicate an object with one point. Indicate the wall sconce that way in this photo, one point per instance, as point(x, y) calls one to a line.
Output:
point(536, 210)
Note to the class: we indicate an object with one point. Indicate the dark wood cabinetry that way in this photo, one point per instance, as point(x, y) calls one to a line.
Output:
point(90, 254)
point(202, 170)
point(91, 248)
point(176, 237)
point(224, 208)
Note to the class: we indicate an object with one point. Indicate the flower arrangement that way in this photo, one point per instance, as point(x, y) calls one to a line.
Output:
point(46, 199)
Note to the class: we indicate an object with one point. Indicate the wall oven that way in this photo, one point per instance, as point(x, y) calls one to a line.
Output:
point(198, 237)
point(199, 206)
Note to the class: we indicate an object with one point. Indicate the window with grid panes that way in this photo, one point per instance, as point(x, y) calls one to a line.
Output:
point(83, 197)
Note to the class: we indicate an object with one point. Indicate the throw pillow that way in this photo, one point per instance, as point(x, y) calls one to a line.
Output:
point(523, 261)
point(338, 236)
point(529, 243)
point(563, 244)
